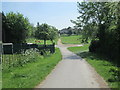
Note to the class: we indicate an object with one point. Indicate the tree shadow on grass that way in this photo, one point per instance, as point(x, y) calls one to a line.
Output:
point(98, 57)
point(88, 55)
point(93, 56)
point(113, 70)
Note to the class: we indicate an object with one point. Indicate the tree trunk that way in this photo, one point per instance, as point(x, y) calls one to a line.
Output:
point(45, 42)
point(52, 41)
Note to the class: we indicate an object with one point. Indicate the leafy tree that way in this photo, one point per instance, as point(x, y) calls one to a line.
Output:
point(90, 17)
point(15, 27)
point(53, 34)
point(31, 31)
point(76, 30)
point(69, 31)
point(101, 21)
point(46, 32)
point(42, 32)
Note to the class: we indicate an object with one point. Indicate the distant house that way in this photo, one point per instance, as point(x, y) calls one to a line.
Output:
point(64, 31)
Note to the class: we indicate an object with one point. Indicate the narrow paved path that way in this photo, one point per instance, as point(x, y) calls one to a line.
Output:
point(72, 72)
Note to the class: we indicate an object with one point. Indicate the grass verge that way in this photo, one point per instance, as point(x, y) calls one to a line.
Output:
point(101, 64)
point(79, 49)
point(31, 74)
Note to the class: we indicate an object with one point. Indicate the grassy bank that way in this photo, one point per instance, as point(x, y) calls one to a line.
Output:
point(31, 74)
point(101, 64)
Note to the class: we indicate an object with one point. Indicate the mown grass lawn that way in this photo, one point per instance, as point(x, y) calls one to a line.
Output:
point(79, 49)
point(101, 64)
point(31, 74)
point(74, 39)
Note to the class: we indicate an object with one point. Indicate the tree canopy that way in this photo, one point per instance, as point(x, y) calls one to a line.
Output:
point(46, 32)
point(14, 27)
point(100, 21)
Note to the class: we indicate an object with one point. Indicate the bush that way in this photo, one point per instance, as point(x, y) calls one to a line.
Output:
point(94, 46)
point(115, 74)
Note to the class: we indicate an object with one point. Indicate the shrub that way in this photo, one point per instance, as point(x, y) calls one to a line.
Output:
point(115, 74)
point(94, 46)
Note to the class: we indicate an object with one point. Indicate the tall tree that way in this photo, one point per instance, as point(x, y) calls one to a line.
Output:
point(101, 21)
point(15, 27)
point(92, 15)
point(53, 34)
point(46, 32)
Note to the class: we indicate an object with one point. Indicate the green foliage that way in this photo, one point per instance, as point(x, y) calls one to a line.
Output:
point(35, 72)
point(101, 21)
point(16, 60)
point(95, 44)
point(103, 66)
point(31, 31)
point(115, 74)
point(42, 32)
point(91, 16)
point(46, 32)
point(15, 27)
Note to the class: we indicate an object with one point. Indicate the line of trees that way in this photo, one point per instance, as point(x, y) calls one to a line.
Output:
point(16, 29)
point(100, 21)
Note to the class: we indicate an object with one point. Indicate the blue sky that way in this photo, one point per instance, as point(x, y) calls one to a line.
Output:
point(57, 14)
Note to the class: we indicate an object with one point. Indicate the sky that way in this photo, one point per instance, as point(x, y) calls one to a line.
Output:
point(57, 14)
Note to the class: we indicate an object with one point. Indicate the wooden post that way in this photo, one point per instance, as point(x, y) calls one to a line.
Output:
point(53, 48)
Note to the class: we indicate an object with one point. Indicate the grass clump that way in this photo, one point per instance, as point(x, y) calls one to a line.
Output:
point(31, 74)
point(102, 65)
